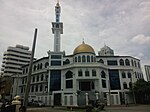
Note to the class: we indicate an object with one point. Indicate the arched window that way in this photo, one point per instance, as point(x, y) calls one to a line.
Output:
point(139, 65)
point(41, 66)
point(121, 62)
point(83, 58)
point(80, 73)
point(94, 72)
point(42, 77)
point(88, 58)
point(46, 64)
point(79, 58)
point(103, 75)
point(101, 61)
point(125, 85)
point(69, 79)
point(123, 75)
point(129, 75)
point(36, 88)
point(67, 61)
point(69, 74)
point(130, 84)
point(34, 67)
point(33, 79)
point(135, 63)
point(32, 88)
point(92, 59)
point(87, 73)
point(132, 62)
point(41, 87)
point(37, 78)
point(38, 67)
point(75, 59)
point(127, 62)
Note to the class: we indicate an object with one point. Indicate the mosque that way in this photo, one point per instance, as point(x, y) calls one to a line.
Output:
point(73, 80)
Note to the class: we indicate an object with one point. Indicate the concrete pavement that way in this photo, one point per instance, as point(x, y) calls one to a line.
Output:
point(131, 108)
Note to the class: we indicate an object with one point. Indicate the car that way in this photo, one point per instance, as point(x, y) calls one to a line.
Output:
point(37, 104)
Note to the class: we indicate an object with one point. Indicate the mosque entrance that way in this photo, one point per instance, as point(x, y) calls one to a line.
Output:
point(57, 99)
point(86, 85)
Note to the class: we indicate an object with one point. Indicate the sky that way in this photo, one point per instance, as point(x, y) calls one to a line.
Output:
point(123, 25)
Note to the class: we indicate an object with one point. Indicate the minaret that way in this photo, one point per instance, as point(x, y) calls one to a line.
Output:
point(57, 28)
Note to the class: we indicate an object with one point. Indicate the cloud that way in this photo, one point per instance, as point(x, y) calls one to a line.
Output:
point(114, 22)
point(141, 39)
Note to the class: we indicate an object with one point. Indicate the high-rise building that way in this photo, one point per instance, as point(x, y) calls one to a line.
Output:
point(147, 72)
point(14, 58)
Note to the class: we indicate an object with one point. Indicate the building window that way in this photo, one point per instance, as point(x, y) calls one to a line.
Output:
point(69, 83)
point(55, 80)
point(135, 75)
point(125, 85)
point(69, 79)
point(41, 66)
point(80, 73)
point(103, 83)
point(55, 56)
point(69, 75)
point(132, 62)
point(139, 65)
point(123, 75)
point(88, 58)
point(130, 84)
point(127, 62)
point(37, 78)
point(46, 64)
point(55, 63)
point(87, 73)
point(121, 62)
point(21, 89)
point(36, 88)
point(135, 64)
point(32, 88)
point(75, 59)
point(103, 75)
point(41, 87)
point(42, 77)
point(101, 61)
point(34, 67)
point(33, 79)
point(112, 62)
point(93, 85)
point(22, 80)
point(38, 67)
point(79, 58)
point(67, 61)
point(93, 72)
point(92, 59)
point(83, 58)
point(129, 75)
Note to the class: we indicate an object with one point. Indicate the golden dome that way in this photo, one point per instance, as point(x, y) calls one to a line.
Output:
point(83, 48)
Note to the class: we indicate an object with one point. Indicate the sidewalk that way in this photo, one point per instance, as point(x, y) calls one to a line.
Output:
point(130, 108)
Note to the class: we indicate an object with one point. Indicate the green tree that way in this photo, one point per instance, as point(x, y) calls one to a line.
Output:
point(142, 91)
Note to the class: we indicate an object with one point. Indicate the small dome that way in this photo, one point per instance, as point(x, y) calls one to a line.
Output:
point(83, 48)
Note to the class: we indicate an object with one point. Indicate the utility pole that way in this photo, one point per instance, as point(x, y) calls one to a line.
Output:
point(30, 72)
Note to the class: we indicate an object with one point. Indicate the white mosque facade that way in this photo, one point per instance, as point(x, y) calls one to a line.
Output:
point(73, 80)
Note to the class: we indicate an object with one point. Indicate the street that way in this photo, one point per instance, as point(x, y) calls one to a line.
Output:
point(133, 108)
